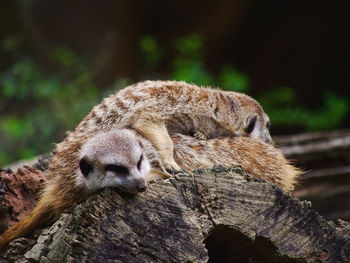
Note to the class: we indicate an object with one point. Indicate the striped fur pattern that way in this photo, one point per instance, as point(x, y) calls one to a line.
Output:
point(155, 109)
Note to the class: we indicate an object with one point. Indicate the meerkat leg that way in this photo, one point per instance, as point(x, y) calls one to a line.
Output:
point(152, 127)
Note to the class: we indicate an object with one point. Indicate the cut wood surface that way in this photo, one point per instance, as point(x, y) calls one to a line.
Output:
point(220, 215)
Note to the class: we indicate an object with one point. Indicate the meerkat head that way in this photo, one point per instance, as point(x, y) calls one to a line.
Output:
point(256, 125)
point(254, 121)
point(113, 159)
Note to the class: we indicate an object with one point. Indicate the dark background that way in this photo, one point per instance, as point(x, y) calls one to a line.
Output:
point(58, 58)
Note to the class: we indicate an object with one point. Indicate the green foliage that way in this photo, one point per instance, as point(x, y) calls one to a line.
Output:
point(65, 56)
point(231, 79)
point(188, 65)
point(281, 105)
point(41, 107)
point(151, 51)
point(11, 43)
point(280, 102)
point(37, 108)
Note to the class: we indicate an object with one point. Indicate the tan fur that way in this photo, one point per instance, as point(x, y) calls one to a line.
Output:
point(152, 127)
point(254, 157)
point(161, 106)
point(152, 108)
point(259, 159)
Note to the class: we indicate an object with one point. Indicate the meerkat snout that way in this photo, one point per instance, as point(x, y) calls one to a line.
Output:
point(113, 159)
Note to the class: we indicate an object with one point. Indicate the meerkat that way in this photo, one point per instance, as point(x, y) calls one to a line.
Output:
point(254, 157)
point(125, 159)
point(114, 159)
point(108, 159)
point(157, 108)
point(154, 109)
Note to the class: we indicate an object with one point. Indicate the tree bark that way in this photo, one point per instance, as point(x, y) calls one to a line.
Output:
point(219, 214)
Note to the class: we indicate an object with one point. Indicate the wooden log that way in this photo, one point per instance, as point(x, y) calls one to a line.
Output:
point(18, 194)
point(325, 156)
point(312, 149)
point(215, 215)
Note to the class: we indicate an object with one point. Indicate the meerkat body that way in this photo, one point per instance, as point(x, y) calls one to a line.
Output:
point(125, 159)
point(154, 109)
point(256, 158)
point(157, 108)
point(184, 108)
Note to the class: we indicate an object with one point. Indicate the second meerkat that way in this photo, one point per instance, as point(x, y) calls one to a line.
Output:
point(124, 159)
point(157, 108)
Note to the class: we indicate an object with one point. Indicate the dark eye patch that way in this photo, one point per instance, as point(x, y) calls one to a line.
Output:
point(139, 162)
point(118, 169)
point(268, 124)
point(251, 125)
point(85, 166)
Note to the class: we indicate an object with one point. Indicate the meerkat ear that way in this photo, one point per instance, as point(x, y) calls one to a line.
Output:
point(250, 124)
point(85, 166)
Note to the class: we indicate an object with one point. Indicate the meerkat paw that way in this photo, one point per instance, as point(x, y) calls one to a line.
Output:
point(200, 136)
point(157, 174)
point(171, 167)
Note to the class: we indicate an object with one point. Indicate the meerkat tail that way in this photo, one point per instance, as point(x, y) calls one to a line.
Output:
point(42, 213)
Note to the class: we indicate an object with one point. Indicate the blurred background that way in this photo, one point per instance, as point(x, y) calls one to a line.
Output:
point(59, 58)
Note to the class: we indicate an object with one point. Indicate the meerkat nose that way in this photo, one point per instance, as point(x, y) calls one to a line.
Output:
point(141, 189)
point(141, 185)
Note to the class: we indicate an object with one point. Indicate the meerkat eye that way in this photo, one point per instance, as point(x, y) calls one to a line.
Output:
point(85, 166)
point(251, 125)
point(139, 162)
point(118, 169)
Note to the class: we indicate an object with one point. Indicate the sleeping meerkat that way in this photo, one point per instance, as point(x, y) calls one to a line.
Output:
point(154, 109)
point(108, 159)
point(124, 159)
point(157, 108)
point(256, 158)
point(113, 159)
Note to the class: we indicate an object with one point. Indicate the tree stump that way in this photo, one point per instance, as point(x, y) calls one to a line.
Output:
point(215, 215)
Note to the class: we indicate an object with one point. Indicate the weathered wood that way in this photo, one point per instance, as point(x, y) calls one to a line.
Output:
point(216, 215)
point(325, 156)
point(18, 194)
point(311, 148)
point(210, 214)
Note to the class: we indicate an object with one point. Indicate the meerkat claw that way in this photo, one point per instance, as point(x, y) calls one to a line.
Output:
point(171, 167)
point(200, 136)
point(171, 171)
